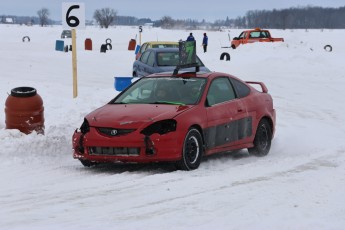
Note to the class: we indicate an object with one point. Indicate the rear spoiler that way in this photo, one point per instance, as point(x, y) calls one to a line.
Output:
point(263, 86)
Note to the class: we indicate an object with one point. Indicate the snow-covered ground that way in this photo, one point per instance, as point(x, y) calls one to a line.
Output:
point(299, 185)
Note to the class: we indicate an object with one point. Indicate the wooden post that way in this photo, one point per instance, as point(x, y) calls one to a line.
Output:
point(140, 30)
point(140, 38)
point(74, 64)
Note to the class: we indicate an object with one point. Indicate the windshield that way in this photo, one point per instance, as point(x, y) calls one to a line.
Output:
point(172, 59)
point(163, 90)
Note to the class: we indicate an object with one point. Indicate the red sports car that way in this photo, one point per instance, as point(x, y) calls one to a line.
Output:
point(178, 118)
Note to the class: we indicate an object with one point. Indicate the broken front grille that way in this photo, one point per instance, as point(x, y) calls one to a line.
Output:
point(114, 132)
point(114, 151)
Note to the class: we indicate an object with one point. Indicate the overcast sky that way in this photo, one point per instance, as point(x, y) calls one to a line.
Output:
point(209, 10)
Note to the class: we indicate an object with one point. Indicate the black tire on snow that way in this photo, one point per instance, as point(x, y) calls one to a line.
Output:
point(109, 46)
point(26, 38)
point(262, 140)
point(88, 163)
point(192, 151)
point(328, 48)
point(225, 54)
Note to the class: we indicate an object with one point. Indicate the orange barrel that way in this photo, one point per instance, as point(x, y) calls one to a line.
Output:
point(24, 110)
point(88, 44)
point(131, 45)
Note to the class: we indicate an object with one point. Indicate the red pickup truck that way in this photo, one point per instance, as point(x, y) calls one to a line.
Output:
point(251, 36)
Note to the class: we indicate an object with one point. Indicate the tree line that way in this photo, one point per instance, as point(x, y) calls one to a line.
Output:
point(292, 18)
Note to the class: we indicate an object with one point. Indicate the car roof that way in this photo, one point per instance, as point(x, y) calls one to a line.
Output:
point(201, 74)
point(256, 29)
point(183, 73)
point(170, 50)
point(163, 50)
point(160, 42)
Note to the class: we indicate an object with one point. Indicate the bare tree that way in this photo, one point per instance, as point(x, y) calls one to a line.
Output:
point(43, 16)
point(167, 22)
point(104, 17)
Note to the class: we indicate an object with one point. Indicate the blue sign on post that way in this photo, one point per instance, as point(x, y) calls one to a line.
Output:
point(137, 49)
point(59, 45)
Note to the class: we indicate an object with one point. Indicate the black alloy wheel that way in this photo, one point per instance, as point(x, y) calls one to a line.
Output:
point(192, 151)
point(262, 140)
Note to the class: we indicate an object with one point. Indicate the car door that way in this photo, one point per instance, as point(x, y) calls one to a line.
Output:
point(227, 121)
point(141, 64)
point(146, 64)
point(242, 37)
point(149, 68)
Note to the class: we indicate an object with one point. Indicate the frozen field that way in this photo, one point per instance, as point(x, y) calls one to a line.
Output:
point(299, 185)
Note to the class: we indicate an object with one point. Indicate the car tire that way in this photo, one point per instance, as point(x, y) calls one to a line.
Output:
point(262, 140)
point(26, 38)
point(225, 54)
point(109, 46)
point(328, 48)
point(192, 151)
point(88, 163)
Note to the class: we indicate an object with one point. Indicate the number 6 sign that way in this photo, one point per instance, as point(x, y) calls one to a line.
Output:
point(73, 15)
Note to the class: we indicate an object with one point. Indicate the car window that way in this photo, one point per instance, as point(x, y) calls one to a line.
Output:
point(165, 46)
point(143, 48)
point(172, 59)
point(151, 59)
point(264, 34)
point(244, 35)
point(139, 94)
point(167, 59)
point(181, 91)
point(199, 61)
point(144, 57)
point(220, 91)
point(241, 89)
point(255, 34)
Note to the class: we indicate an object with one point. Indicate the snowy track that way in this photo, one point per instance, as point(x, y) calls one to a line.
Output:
point(299, 185)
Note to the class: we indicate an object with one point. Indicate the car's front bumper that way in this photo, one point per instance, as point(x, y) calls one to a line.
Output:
point(134, 147)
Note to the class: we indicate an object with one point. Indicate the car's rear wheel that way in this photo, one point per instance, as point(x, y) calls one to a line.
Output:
point(192, 151)
point(262, 140)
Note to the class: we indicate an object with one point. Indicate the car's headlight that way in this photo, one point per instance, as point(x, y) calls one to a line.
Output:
point(85, 127)
point(160, 127)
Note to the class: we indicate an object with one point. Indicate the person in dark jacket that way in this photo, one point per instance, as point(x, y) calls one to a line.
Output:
point(190, 37)
point(205, 42)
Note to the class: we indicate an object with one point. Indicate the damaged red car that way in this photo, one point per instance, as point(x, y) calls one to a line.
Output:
point(178, 118)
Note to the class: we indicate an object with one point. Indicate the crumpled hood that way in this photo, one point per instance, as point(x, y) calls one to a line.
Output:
point(133, 116)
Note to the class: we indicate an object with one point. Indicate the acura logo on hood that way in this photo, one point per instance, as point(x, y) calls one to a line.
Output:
point(113, 132)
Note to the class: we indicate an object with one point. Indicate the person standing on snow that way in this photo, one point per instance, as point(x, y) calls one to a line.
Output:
point(205, 42)
point(190, 37)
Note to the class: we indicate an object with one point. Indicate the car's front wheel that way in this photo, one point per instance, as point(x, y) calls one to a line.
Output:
point(262, 140)
point(88, 163)
point(192, 151)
